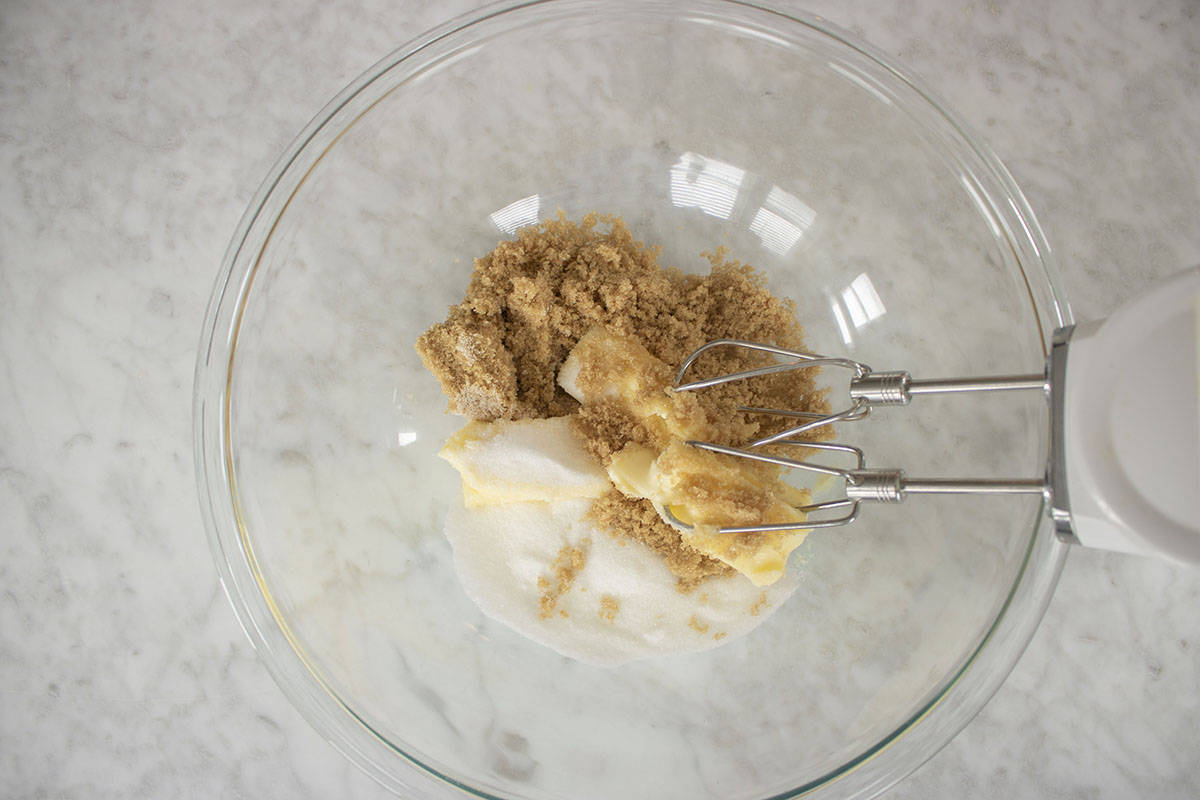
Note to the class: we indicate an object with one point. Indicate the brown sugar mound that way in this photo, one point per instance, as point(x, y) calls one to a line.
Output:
point(530, 300)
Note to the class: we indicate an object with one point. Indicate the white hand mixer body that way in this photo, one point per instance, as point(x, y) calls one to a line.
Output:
point(1127, 440)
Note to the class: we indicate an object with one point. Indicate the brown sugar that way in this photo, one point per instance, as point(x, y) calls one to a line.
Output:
point(609, 607)
point(566, 566)
point(759, 605)
point(475, 368)
point(530, 300)
point(606, 427)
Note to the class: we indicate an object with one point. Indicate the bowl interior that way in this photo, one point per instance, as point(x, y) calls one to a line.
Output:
point(709, 128)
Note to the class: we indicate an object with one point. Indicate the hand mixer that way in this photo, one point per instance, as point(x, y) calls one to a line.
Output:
point(1123, 471)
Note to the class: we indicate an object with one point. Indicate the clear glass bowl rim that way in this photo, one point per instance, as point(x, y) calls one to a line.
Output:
point(874, 770)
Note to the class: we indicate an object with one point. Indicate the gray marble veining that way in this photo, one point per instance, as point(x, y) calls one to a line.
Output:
point(132, 137)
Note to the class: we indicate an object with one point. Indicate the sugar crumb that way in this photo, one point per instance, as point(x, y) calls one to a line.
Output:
point(567, 564)
point(609, 606)
point(759, 605)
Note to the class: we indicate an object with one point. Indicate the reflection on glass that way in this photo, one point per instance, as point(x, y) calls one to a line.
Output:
point(862, 301)
point(405, 438)
point(861, 80)
point(517, 214)
point(705, 183)
point(840, 317)
point(781, 221)
point(744, 30)
point(984, 209)
point(856, 305)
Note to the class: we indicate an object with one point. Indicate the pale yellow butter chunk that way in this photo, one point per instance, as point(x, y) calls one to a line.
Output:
point(606, 366)
point(702, 489)
point(707, 492)
point(515, 461)
point(763, 560)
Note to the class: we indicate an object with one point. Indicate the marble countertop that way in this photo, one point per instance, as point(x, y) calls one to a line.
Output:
point(131, 137)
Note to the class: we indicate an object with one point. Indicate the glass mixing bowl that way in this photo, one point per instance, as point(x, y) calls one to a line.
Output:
point(904, 243)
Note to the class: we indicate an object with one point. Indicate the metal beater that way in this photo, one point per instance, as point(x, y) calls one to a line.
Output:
point(1123, 471)
point(868, 388)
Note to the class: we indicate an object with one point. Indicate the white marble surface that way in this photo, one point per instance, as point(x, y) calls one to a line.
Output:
point(131, 137)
